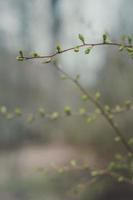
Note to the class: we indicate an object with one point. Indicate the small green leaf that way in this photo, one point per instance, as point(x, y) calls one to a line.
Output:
point(106, 38)
point(41, 111)
point(95, 173)
point(121, 48)
point(118, 157)
point(118, 108)
point(111, 166)
point(98, 111)
point(73, 163)
point(18, 58)
point(97, 96)
point(67, 110)
point(84, 97)
point(107, 108)
point(89, 120)
point(82, 111)
point(21, 53)
point(76, 49)
point(34, 54)
point(120, 179)
point(18, 111)
point(58, 48)
point(111, 116)
point(129, 38)
point(130, 49)
point(55, 115)
point(127, 104)
point(64, 77)
point(87, 51)
point(81, 37)
point(3, 110)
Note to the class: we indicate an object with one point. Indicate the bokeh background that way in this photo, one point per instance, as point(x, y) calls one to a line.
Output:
point(28, 149)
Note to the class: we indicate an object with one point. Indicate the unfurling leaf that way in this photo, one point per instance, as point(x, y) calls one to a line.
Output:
point(58, 48)
point(81, 37)
point(21, 53)
point(67, 110)
point(18, 111)
point(106, 38)
point(87, 51)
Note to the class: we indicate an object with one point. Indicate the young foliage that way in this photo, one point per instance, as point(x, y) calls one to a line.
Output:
point(121, 168)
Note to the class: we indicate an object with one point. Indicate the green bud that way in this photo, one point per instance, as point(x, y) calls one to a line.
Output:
point(130, 50)
point(34, 54)
point(111, 116)
point(81, 37)
point(18, 111)
point(87, 51)
point(89, 120)
point(55, 115)
point(97, 95)
point(98, 111)
point(58, 48)
point(73, 163)
point(3, 110)
point(64, 77)
point(41, 111)
point(67, 110)
point(95, 173)
point(84, 97)
point(118, 108)
point(118, 157)
point(120, 179)
point(21, 53)
point(82, 111)
point(107, 108)
point(76, 49)
point(121, 48)
point(18, 58)
point(111, 166)
point(129, 38)
point(128, 104)
point(104, 38)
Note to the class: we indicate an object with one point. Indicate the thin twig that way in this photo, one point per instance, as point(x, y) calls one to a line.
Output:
point(79, 46)
point(100, 107)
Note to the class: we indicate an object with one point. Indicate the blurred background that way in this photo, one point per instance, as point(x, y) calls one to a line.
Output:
point(26, 150)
